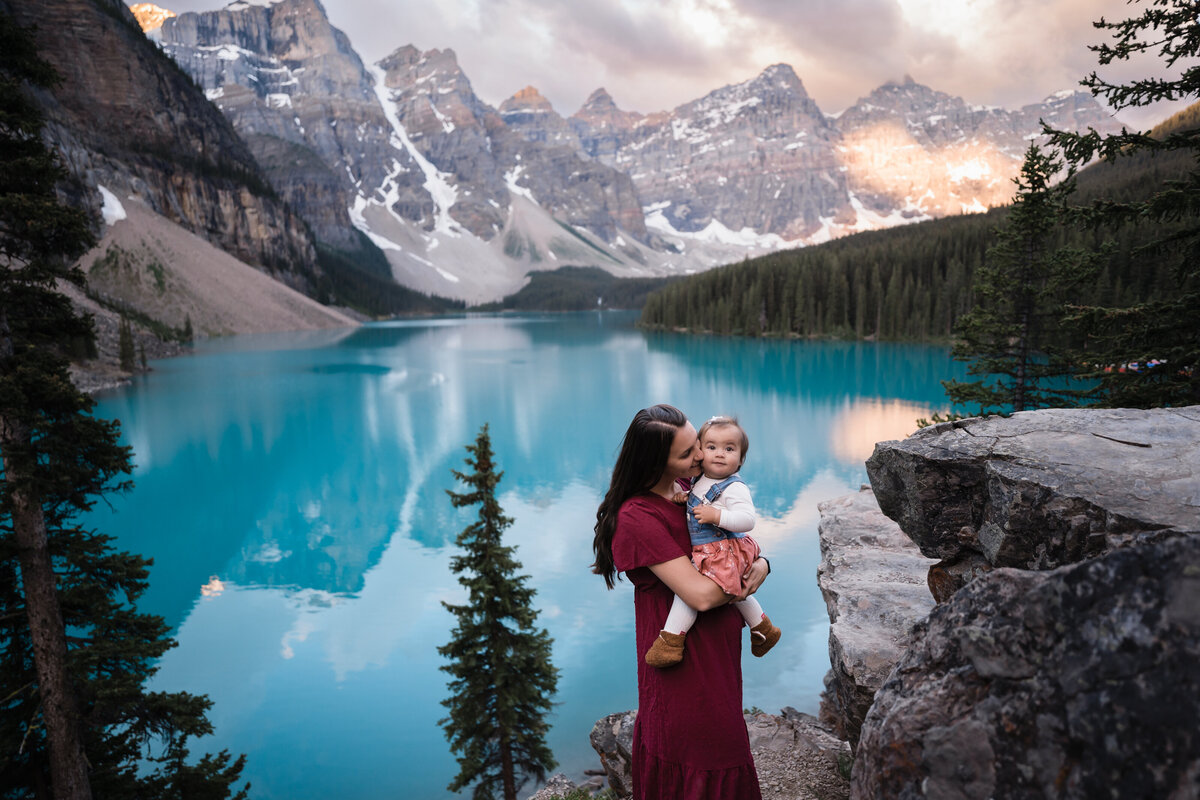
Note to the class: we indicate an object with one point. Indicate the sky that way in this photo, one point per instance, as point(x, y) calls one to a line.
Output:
point(653, 55)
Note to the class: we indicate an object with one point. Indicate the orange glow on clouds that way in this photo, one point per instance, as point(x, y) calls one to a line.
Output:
point(862, 423)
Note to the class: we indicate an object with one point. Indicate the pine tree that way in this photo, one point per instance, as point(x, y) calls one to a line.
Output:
point(1012, 336)
point(125, 349)
point(75, 718)
point(1148, 354)
point(503, 679)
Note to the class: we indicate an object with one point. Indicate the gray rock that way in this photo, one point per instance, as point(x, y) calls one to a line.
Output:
point(1077, 682)
point(1042, 488)
point(873, 580)
point(559, 785)
point(797, 757)
point(123, 118)
point(299, 95)
point(612, 739)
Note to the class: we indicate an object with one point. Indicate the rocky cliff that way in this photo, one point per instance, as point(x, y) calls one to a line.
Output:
point(911, 152)
point(1040, 490)
point(126, 118)
point(1064, 663)
point(760, 162)
point(293, 87)
point(757, 157)
point(872, 577)
point(405, 152)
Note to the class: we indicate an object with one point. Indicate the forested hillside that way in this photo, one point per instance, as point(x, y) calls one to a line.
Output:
point(913, 282)
point(578, 289)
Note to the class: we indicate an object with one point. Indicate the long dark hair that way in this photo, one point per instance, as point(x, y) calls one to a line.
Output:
point(640, 464)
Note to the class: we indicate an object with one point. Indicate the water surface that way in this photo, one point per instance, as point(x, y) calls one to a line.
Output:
point(291, 491)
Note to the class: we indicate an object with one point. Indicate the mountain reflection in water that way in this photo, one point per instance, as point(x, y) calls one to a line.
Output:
point(291, 490)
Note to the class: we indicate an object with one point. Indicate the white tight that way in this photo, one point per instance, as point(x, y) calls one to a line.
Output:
point(683, 616)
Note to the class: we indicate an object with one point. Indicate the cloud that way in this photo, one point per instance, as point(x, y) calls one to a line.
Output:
point(654, 55)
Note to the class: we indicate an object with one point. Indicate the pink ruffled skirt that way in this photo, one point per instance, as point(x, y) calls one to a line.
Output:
point(725, 560)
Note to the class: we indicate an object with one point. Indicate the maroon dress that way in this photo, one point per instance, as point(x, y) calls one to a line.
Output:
point(689, 741)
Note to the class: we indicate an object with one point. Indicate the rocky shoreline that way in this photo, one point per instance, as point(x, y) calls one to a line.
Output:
point(1028, 626)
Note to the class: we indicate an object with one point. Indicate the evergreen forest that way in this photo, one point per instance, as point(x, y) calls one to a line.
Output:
point(577, 289)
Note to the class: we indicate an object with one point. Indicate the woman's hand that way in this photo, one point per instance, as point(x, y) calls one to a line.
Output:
point(754, 576)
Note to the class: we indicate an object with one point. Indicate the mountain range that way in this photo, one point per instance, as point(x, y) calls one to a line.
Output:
point(464, 199)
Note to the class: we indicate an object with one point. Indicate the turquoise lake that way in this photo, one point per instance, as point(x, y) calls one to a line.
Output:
point(291, 491)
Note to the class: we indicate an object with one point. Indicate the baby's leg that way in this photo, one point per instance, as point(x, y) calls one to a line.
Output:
point(681, 617)
point(752, 612)
point(763, 633)
point(667, 650)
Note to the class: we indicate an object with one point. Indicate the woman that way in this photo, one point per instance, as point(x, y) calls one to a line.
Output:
point(689, 741)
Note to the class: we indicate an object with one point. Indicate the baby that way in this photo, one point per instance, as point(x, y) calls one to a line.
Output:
point(719, 514)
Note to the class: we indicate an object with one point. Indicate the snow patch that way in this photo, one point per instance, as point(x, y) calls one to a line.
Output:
point(715, 232)
point(279, 100)
point(511, 177)
point(868, 220)
point(359, 221)
point(215, 94)
point(443, 193)
point(242, 5)
point(446, 275)
point(447, 125)
point(112, 210)
point(227, 52)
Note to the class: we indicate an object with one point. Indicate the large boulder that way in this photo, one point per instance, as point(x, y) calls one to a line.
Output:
point(1078, 682)
point(872, 577)
point(1040, 489)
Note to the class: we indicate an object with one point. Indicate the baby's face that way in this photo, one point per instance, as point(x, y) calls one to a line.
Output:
point(721, 450)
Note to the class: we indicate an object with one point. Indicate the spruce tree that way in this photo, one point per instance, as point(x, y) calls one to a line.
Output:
point(1012, 337)
point(503, 679)
point(1148, 354)
point(125, 349)
point(75, 718)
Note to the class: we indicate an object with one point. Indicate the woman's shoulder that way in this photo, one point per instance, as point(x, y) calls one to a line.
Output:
point(647, 504)
point(649, 530)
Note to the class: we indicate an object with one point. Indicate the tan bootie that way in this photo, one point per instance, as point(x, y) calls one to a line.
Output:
point(667, 650)
point(763, 637)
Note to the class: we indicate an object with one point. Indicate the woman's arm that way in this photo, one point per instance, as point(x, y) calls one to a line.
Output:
point(703, 593)
point(697, 591)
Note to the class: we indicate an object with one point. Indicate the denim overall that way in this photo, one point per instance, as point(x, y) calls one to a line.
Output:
point(703, 533)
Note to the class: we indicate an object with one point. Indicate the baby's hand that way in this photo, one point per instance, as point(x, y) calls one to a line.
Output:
point(680, 498)
point(707, 515)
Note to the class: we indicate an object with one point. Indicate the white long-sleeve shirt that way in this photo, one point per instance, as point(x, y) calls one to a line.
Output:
point(736, 507)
